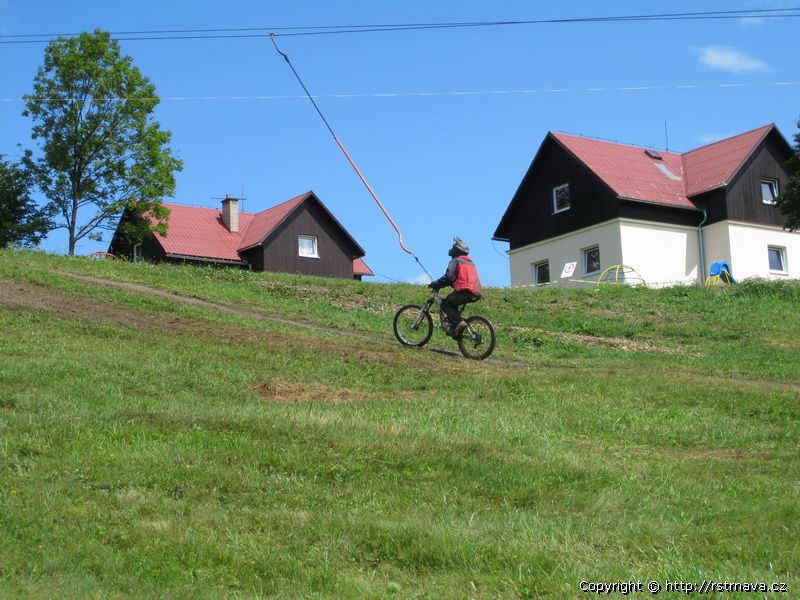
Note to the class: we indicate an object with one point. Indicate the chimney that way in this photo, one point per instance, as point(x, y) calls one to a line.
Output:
point(230, 213)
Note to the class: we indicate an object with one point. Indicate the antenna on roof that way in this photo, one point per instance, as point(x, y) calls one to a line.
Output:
point(666, 137)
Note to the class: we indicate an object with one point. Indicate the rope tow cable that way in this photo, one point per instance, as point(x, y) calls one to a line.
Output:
point(349, 158)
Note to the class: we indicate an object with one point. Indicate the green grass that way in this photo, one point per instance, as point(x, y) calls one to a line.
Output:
point(151, 448)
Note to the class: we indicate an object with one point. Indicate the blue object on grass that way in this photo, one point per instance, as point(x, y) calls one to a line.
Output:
point(723, 270)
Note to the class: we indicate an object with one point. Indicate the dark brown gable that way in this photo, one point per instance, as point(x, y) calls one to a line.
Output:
point(743, 194)
point(530, 219)
point(335, 248)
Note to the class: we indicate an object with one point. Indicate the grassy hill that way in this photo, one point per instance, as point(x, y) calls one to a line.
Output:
point(185, 432)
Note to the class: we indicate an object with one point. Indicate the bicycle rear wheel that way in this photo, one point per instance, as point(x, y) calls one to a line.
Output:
point(478, 339)
point(413, 326)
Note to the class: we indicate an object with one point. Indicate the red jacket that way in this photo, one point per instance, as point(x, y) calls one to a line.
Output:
point(462, 275)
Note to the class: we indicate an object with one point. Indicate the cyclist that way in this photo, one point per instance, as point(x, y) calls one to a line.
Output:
point(462, 276)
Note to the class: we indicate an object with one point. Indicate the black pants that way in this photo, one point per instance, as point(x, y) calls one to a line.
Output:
point(451, 303)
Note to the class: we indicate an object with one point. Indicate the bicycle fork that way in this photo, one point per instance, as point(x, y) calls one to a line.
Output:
point(418, 321)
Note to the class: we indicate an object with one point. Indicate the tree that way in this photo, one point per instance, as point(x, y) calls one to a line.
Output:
point(92, 112)
point(22, 223)
point(789, 200)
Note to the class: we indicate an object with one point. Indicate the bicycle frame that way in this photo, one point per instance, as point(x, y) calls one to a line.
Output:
point(436, 299)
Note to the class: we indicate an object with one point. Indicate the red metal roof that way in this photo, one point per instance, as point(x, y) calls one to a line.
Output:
point(200, 233)
point(714, 165)
point(361, 268)
point(632, 173)
point(629, 171)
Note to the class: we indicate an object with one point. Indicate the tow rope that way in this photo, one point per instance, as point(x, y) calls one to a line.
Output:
point(349, 158)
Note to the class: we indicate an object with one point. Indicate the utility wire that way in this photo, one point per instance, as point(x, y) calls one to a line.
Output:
point(349, 158)
point(629, 88)
point(227, 33)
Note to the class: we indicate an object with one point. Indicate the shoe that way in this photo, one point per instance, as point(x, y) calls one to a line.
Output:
point(459, 329)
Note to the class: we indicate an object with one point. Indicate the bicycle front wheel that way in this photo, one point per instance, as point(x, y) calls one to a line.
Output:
point(413, 326)
point(478, 339)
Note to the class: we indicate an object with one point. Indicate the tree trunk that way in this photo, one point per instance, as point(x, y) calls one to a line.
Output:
point(72, 224)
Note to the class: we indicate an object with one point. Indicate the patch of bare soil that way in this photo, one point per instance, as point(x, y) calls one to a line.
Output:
point(49, 299)
point(292, 391)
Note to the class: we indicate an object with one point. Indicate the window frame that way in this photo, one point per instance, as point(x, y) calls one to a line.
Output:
point(535, 272)
point(774, 186)
point(557, 210)
point(138, 253)
point(781, 250)
point(300, 253)
point(585, 254)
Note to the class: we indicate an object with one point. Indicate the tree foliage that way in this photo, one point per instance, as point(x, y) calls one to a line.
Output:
point(789, 200)
point(22, 223)
point(100, 147)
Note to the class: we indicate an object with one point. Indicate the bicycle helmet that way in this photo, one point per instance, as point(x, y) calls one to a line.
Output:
point(459, 247)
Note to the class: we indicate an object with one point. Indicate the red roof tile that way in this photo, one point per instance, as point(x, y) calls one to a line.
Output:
point(714, 165)
point(632, 173)
point(199, 232)
point(361, 268)
point(629, 171)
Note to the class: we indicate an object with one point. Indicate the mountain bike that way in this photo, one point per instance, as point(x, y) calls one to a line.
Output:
point(413, 326)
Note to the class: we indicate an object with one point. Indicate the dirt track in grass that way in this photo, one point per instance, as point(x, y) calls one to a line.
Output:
point(361, 347)
point(375, 342)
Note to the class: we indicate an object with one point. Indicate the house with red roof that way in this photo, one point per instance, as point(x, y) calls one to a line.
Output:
point(297, 236)
point(667, 215)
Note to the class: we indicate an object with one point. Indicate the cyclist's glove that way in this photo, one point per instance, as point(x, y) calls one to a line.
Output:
point(433, 285)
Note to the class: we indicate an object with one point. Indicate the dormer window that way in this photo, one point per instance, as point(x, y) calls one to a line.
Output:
point(561, 198)
point(769, 190)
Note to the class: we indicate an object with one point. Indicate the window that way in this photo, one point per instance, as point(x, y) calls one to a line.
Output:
point(777, 259)
point(769, 190)
point(561, 198)
point(591, 260)
point(541, 272)
point(307, 246)
point(137, 252)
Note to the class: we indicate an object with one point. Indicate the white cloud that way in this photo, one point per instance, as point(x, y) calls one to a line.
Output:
point(729, 59)
point(421, 279)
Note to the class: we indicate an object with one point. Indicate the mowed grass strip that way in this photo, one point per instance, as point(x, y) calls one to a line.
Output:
point(167, 455)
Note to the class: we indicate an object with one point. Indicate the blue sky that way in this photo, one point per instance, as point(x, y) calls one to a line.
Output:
point(444, 163)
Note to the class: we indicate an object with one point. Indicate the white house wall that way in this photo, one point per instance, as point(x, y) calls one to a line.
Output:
point(717, 245)
point(662, 254)
point(749, 244)
point(568, 248)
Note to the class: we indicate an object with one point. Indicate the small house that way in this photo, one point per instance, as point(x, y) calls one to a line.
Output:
point(297, 236)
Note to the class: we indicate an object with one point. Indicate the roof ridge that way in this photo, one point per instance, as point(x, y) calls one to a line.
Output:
point(615, 142)
point(241, 212)
point(732, 137)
